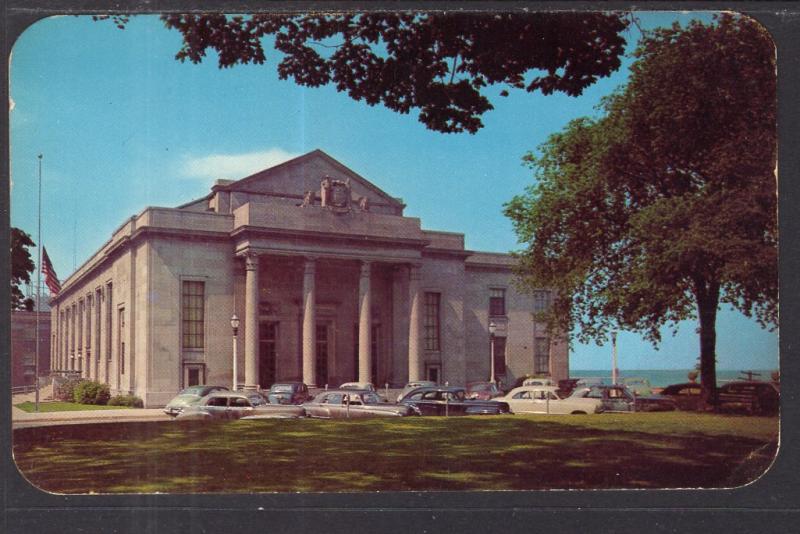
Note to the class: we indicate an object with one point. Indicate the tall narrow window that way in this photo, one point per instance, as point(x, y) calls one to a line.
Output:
point(432, 326)
point(109, 319)
point(80, 326)
point(322, 354)
point(497, 302)
point(541, 301)
point(121, 336)
point(500, 355)
point(88, 324)
point(97, 319)
point(376, 332)
point(193, 314)
point(541, 355)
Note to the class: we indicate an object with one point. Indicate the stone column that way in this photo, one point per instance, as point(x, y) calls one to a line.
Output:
point(414, 325)
point(251, 321)
point(364, 324)
point(309, 323)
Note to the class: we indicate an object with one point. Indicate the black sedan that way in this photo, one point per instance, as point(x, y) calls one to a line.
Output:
point(445, 400)
point(620, 399)
point(288, 393)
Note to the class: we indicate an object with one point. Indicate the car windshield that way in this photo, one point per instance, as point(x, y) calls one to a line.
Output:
point(281, 388)
point(479, 387)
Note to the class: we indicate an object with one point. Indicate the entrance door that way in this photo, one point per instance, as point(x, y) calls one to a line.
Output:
point(323, 346)
point(267, 353)
point(432, 372)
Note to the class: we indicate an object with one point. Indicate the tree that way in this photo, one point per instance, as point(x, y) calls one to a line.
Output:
point(666, 205)
point(439, 63)
point(21, 268)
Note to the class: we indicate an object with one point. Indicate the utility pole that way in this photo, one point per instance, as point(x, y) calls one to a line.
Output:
point(38, 286)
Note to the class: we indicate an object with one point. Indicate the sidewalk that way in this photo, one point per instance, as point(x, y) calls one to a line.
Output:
point(23, 419)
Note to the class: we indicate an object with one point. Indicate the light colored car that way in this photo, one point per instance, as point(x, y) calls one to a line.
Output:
point(238, 405)
point(358, 385)
point(537, 382)
point(189, 397)
point(352, 404)
point(546, 399)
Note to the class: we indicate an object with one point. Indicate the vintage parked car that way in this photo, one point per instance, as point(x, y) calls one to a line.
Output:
point(483, 390)
point(414, 385)
point(352, 403)
point(638, 385)
point(288, 393)
point(449, 400)
point(546, 399)
point(619, 399)
point(686, 396)
point(752, 396)
point(188, 397)
point(358, 385)
point(237, 405)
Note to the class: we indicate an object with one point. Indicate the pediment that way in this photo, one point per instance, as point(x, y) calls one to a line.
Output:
point(306, 173)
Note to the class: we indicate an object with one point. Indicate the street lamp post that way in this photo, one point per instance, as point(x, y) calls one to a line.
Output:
point(235, 327)
point(492, 330)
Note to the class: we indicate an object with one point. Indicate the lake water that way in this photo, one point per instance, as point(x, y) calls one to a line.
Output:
point(665, 377)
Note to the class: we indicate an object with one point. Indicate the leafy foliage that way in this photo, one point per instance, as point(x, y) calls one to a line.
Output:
point(126, 400)
point(64, 389)
point(666, 204)
point(21, 268)
point(437, 62)
point(90, 392)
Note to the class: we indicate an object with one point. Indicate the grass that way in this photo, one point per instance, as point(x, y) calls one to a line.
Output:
point(57, 406)
point(653, 450)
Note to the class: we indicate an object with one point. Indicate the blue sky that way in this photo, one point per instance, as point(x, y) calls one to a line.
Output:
point(122, 125)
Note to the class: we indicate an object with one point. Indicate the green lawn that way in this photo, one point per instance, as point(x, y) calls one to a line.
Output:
point(653, 450)
point(63, 407)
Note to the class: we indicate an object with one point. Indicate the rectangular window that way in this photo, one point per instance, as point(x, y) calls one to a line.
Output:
point(541, 301)
point(432, 326)
point(121, 336)
point(80, 325)
point(497, 302)
point(109, 319)
point(193, 314)
point(322, 354)
point(88, 323)
point(500, 355)
point(541, 355)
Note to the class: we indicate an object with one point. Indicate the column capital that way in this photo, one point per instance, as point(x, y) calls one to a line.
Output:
point(309, 265)
point(251, 260)
point(366, 268)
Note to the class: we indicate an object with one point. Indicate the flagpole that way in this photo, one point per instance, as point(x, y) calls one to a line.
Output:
point(38, 284)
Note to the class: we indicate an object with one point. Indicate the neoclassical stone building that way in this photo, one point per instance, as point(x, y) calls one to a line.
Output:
point(330, 280)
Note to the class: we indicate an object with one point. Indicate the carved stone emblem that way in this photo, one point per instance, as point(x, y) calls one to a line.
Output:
point(336, 194)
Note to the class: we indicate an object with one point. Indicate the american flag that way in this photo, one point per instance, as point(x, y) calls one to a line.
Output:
point(50, 277)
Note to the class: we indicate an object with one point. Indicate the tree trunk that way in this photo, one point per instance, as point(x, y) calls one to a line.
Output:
point(707, 294)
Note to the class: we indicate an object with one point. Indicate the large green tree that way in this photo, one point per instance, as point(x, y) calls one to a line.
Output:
point(666, 205)
point(21, 268)
point(439, 63)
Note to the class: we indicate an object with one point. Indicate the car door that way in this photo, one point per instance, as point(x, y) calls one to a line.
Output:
point(217, 407)
point(618, 401)
point(521, 402)
point(239, 407)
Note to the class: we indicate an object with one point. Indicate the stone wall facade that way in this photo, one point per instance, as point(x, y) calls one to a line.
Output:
point(330, 283)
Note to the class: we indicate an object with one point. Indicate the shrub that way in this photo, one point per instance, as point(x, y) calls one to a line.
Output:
point(89, 392)
point(126, 400)
point(64, 390)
